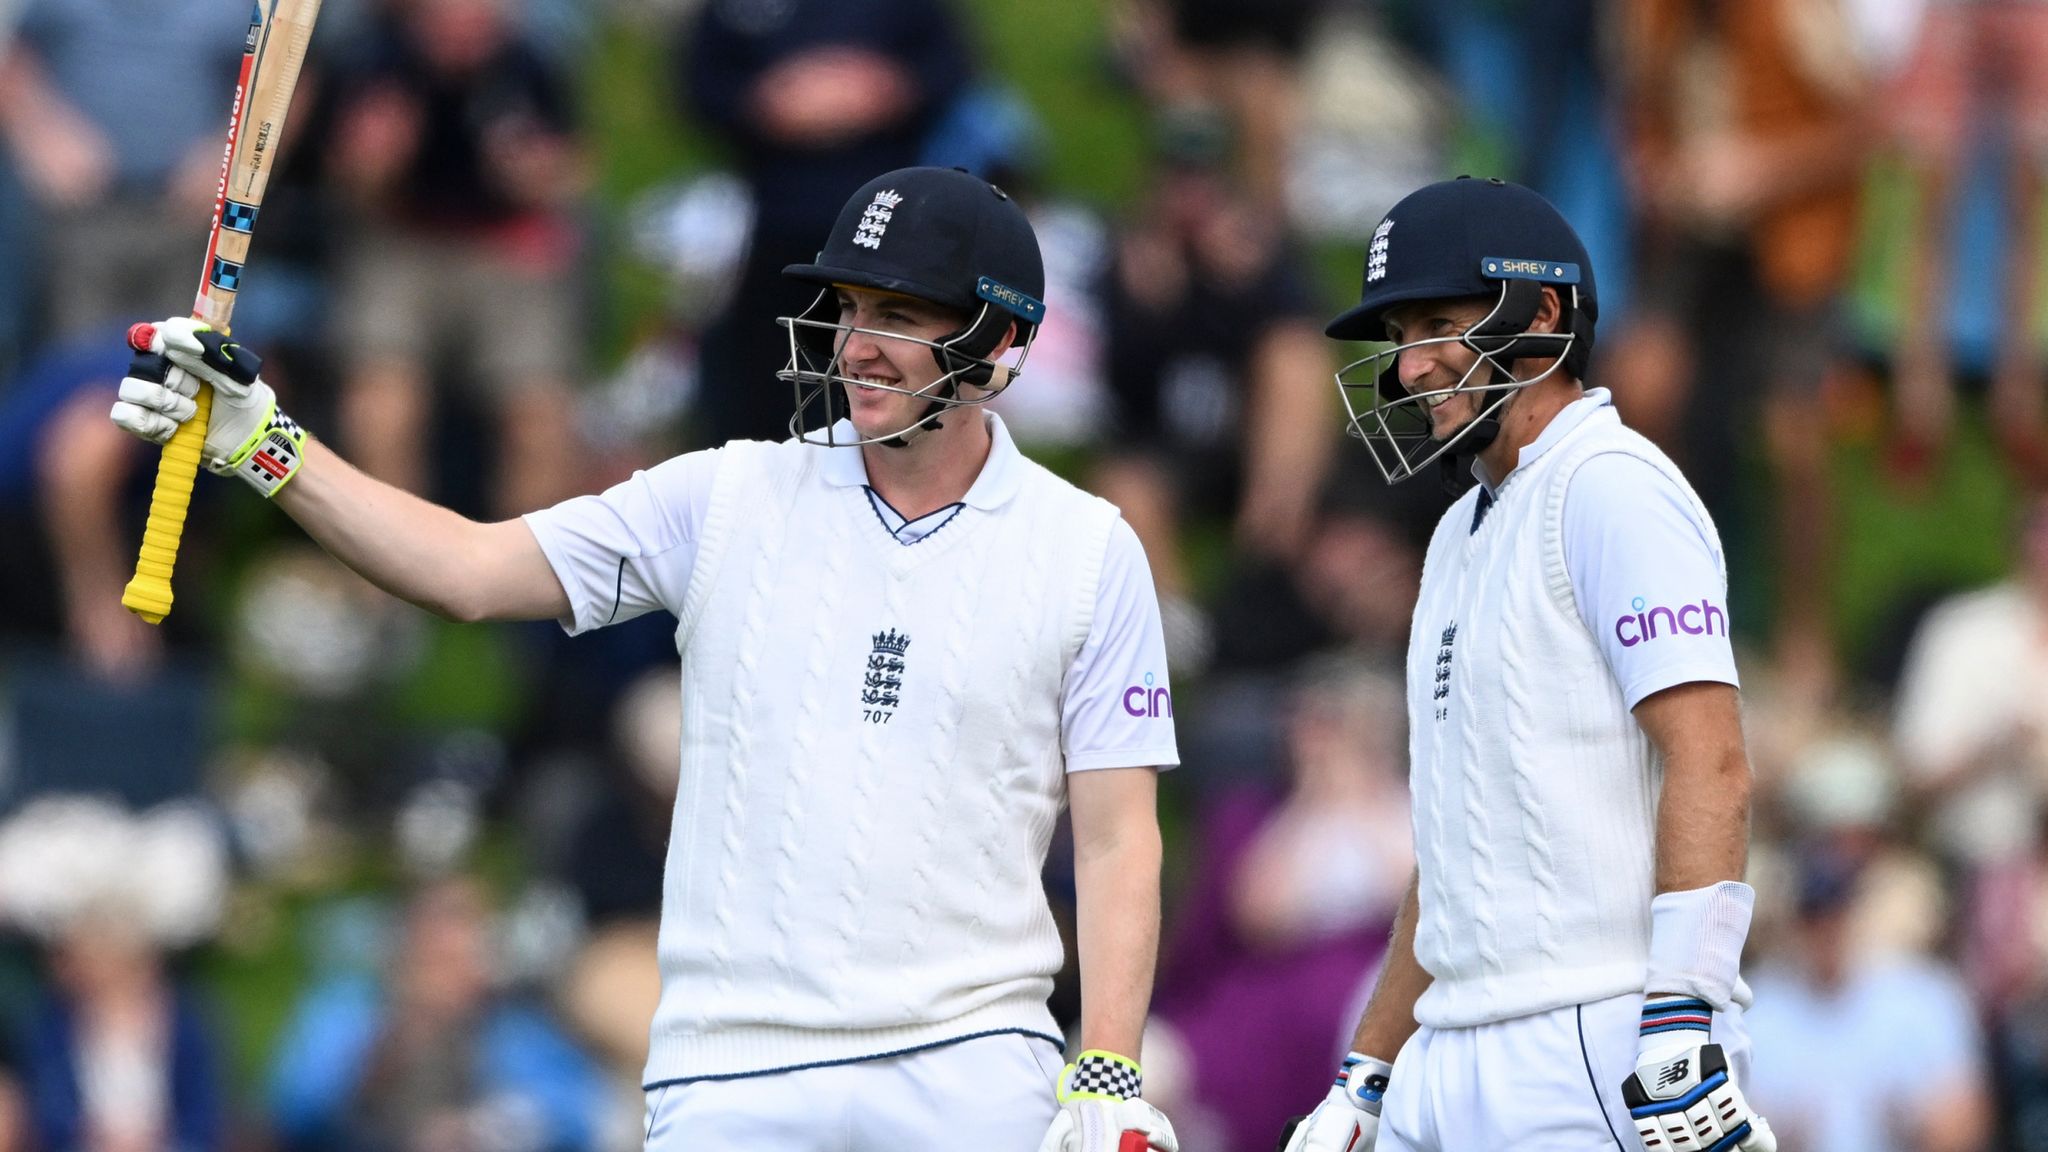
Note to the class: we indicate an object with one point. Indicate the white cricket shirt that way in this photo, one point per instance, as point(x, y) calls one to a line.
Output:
point(1550, 606)
point(877, 722)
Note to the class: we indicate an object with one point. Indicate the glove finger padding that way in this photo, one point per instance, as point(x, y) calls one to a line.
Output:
point(214, 358)
point(1099, 1126)
point(1685, 1101)
point(159, 397)
point(152, 426)
point(246, 436)
point(155, 368)
point(1336, 1125)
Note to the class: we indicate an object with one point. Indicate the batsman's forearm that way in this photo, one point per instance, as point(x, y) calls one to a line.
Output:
point(1117, 930)
point(1703, 818)
point(1703, 809)
point(418, 551)
point(1390, 1015)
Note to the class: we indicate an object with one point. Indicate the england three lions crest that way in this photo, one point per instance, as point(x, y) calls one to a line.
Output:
point(874, 220)
point(882, 687)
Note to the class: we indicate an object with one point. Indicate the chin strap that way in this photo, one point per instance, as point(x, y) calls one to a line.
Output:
point(930, 423)
point(1484, 430)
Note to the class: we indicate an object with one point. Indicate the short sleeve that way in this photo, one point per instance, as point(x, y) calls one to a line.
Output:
point(1118, 710)
point(628, 550)
point(1648, 579)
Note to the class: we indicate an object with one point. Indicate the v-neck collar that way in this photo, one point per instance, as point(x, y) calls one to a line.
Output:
point(907, 531)
point(1000, 479)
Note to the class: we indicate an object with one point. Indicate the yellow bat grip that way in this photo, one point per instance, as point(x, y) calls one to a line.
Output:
point(148, 595)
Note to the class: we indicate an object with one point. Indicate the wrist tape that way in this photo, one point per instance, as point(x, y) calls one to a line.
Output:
point(1696, 942)
point(1099, 1075)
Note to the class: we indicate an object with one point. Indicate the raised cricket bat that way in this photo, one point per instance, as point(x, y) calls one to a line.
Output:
point(279, 31)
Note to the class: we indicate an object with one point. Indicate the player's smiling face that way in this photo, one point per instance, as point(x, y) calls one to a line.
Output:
point(886, 369)
point(1439, 365)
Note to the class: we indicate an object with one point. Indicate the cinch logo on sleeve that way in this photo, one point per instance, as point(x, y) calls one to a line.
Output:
point(1148, 702)
point(1692, 619)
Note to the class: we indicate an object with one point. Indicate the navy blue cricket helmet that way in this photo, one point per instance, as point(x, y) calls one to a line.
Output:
point(1463, 239)
point(938, 234)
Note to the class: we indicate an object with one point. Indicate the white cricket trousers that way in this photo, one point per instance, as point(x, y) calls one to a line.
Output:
point(991, 1094)
point(1544, 1083)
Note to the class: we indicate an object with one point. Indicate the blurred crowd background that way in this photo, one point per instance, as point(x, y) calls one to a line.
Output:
point(307, 869)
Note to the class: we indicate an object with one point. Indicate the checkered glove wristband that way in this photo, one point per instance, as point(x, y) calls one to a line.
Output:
point(1099, 1075)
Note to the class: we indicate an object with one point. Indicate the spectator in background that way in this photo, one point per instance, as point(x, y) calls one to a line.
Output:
point(615, 865)
point(117, 1055)
point(120, 1057)
point(454, 148)
point(114, 116)
point(67, 511)
point(434, 1059)
point(1862, 1053)
point(1747, 123)
point(815, 97)
point(2005, 957)
point(1533, 86)
point(616, 854)
point(1219, 377)
point(1972, 717)
point(1290, 905)
point(1352, 588)
point(1840, 795)
point(17, 230)
point(1240, 57)
point(1978, 74)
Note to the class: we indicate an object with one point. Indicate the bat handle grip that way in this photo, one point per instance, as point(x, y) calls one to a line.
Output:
point(148, 594)
point(1134, 1140)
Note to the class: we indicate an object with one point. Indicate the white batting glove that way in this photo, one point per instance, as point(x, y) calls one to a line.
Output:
point(1348, 1119)
point(246, 435)
point(1681, 1095)
point(1099, 1103)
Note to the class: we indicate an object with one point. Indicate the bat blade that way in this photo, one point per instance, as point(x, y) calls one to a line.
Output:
point(273, 56)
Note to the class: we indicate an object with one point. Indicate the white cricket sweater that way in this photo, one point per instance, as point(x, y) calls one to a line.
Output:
point(1535, 792)
point(871, 770)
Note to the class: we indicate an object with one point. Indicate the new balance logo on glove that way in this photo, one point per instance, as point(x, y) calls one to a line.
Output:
point(1682, 1097)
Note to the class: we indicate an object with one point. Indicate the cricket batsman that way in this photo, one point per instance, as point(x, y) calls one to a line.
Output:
point(1564, 971)
point(904, 647)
